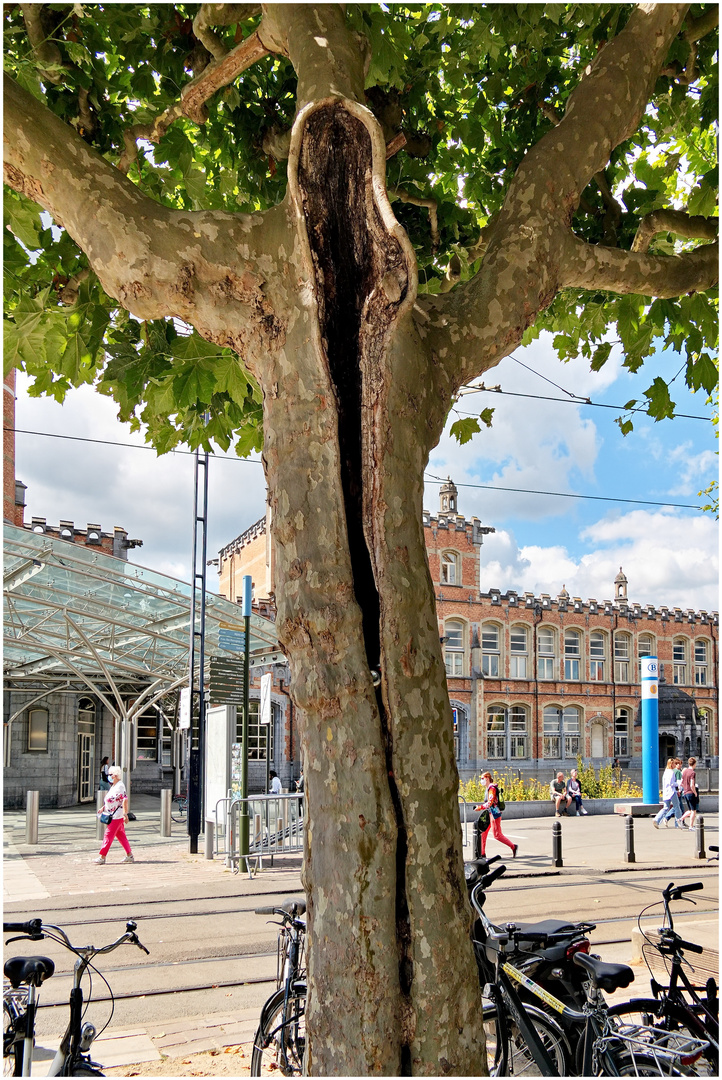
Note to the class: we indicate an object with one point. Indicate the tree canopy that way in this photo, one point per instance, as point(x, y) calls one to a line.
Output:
point(462, 93)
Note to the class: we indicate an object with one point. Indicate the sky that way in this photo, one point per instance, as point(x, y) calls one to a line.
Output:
point(542, 542)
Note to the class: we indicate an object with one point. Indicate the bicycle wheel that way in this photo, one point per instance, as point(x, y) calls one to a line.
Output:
point(178, 808)
point(12, 1050)
point(668, 1016)
point(280, 1041)
point(519, 1060)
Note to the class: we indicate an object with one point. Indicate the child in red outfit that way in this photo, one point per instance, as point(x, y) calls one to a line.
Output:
point(491, 804)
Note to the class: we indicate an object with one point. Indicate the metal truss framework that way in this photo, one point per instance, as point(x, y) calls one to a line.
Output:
point(78, 620)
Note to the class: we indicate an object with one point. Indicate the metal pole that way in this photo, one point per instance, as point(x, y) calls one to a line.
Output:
point(243, 824)
point(99, 804)
point(32, 808)
point(650, 729)
point(699, 837)
point(629, 838)
point(557, 844)
point(196, 762)
point(165, 801)
point(209, 839)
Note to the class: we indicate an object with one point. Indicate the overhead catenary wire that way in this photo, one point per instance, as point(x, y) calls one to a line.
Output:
point(428, 476)
point(574, 400)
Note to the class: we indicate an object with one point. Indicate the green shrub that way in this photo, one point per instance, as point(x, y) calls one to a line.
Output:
point(609, 783)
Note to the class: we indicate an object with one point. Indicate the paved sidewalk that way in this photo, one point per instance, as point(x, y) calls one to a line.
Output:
point(60, 869)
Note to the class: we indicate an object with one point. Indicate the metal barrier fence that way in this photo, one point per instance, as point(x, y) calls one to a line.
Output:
point(467, 817)
point(275, 827)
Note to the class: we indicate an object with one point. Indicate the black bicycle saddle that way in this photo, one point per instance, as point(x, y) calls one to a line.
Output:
point(607, 977)
point(28, 969)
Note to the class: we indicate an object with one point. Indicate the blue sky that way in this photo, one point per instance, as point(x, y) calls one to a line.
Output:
point(541, 542)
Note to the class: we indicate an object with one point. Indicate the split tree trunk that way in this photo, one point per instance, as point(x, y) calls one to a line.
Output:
point(349, 420)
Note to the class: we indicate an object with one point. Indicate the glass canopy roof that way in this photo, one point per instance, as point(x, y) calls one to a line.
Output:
point(78, 618)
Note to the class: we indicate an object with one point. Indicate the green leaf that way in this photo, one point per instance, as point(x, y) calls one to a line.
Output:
point(660, 402)
point(601, 355)
point(464, 430)
point(486, 416)
point(703, 374)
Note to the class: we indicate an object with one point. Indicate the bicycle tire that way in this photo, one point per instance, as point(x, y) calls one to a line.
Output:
point(278, 1046)
point(669, 1016)
point(12, 1051)
point(83, 1069)
point(178, 810)
point(518, 1060)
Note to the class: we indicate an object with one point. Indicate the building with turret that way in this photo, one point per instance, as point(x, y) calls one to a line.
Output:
point(536, 681)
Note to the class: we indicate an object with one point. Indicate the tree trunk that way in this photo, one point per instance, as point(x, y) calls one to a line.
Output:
point(349, 418)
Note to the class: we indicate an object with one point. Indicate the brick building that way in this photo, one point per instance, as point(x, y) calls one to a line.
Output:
point(535, 681)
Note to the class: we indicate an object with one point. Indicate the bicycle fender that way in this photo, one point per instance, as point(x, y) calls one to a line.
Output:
point(276, 999)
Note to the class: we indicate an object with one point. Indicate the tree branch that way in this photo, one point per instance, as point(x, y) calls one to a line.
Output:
point(691, 227)
point(204, 267)
point(427, 204)
point(588, 267)
point(220, 73)
point(220, 15)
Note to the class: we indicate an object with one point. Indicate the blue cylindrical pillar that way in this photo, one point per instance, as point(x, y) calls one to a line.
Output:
point(650, 729)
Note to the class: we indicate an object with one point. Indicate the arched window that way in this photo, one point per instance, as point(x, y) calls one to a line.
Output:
point(622, 656)
point(700, 662)
point(572, 654)
point(645, 647)
point(562, 732)
point(518, 652)
point(454, 647)
point(507, 732)
point(450, 568)
point(622, 725)
point(679, 658)
point(490, 649)
point(597, 656)
point(546, 652)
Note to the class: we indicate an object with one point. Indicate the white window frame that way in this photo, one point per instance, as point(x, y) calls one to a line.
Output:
point(562, 732)
point(490, 653)
point(679, 661)
point(701, 655)
point(572, 655)
point(507, 732)
point(518, 651)
point(597, 656)
point(454, 648)
point(621, 732)
point(546, 656)
point(449, 568)
point(622, 657)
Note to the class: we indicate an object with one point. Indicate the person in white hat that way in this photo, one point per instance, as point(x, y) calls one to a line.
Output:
point(115, 809)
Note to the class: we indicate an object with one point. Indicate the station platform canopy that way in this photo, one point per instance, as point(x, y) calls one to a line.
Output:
point(78, 619)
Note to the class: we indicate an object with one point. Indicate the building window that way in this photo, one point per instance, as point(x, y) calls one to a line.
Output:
point(621, 733)
point(546, 658)
point(597, 654)
point(258, 734)
point(147, 743)
point(700, 663)
point(456, 716)
point(645, 647)
point(562, 732)
point(679, 657)
point(519, 649)
point(454, 648)
point(572, 654)
point(450, 568)
point(621, 658)
point(507, 732)
point(38, 730)
point(490, 650)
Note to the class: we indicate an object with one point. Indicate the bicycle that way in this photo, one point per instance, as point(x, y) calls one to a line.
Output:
point(25, 975)
point(678, 1007)
point(280, 1041)
point(525, 1039)
point(179, 807)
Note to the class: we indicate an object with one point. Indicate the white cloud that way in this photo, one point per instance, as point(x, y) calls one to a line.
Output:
point(668, 559)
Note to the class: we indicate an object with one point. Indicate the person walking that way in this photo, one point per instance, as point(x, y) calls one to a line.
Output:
point(574, 790)
point(115, 804)
point(491, 803)
point(677, 809)
point(104, 781)
point(275, 788)
point(690, 792)
point(559, 794)
point(668, 788)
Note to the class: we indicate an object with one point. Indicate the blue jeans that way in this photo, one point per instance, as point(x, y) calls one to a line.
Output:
point(676, 810)
point(667, 809)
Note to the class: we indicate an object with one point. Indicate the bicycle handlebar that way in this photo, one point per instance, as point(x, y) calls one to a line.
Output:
point(31, 928)
point(672, 940)
point(674, 892)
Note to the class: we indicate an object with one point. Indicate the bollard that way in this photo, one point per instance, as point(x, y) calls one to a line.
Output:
point(699, 837)
point(208, 849)
point(165, 803)
point(280, 833)
point(557, 844)
point(629, 855)
point(31, 817)
point(100, 803)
